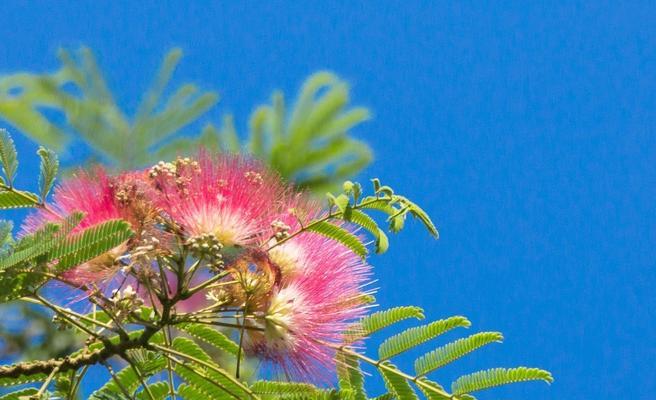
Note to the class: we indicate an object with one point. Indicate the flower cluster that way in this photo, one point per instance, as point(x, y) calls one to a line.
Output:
point(238, 230)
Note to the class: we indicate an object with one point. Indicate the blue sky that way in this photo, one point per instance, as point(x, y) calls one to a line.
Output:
point(526, 130)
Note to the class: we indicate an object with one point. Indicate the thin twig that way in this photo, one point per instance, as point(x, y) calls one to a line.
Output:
point(169, 366)
point(216, 323)
point(205, 284)
point(241, 341)
point(64, 314)
point(77, 381)
point(43, 388)
point(40, 300)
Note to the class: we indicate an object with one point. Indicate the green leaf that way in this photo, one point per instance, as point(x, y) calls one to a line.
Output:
point(200, 389)
point(20, 112)
point(90, 243)
point(323, 111)
point(311, 146)
point(153, 96)
point(159, 390)
point(359, 218)
point(63, 384)
point(341, 201)
point(8, 156)
point(382, 319)
point(199, 385)
point(14, 285)
point(397, 384)
point(110, 396)
point(17, 199)
point(22, 394)
point(412, 337)
point(497, 377)
point(339, 234)
point(257, 124)
point(284, 390)
point(229, 141)
point(396, 207)
point(48, 171)
point(396, 220)
point(5, 232)
point(92, 114)
point(452, 351)
point(210, 336)
point(129, 378)
point(349, 376)
point(420, 214)
point(41, 241)
point(15, 279)
point(188, 347)
point(386, 396)
point(432, 394)
point(304, 103)
point(22, 380)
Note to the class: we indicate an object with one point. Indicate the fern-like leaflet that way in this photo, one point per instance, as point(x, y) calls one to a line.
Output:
point(452, 351)
point(413, 337)
point(401, 384)
point(497, 377)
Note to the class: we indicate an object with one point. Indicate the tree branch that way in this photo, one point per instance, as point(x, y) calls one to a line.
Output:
point(73, 363)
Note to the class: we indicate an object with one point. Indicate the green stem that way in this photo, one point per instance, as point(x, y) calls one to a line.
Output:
point(216, 323)
point(205, 284)
point(77, 381)
point(41, 301)
point(169, 366)
point(63, 313)
point(43, 388)
point(241, 340)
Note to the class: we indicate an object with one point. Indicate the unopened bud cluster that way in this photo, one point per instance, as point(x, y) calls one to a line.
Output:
point(125, 301)
point(162, 168)
point(280, 230)
point(208, 247)
point(179, 171)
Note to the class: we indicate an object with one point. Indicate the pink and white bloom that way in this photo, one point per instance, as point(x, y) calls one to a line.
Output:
point(230, 197)
point(321, 295)
point(101, 198)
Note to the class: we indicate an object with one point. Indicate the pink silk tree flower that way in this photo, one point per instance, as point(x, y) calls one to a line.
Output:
point(306, 252)
point(227, 196)
point(101, 198)
point(320, 296)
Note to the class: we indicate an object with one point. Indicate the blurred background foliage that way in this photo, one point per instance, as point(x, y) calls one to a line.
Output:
point(308, 142)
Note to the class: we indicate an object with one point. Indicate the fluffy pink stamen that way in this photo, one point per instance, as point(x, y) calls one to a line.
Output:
point(228, 196)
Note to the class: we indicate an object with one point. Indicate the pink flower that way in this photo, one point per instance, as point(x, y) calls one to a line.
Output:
point(89, 193)
point(230, 197)
point(321, 295)
point(101, 198)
